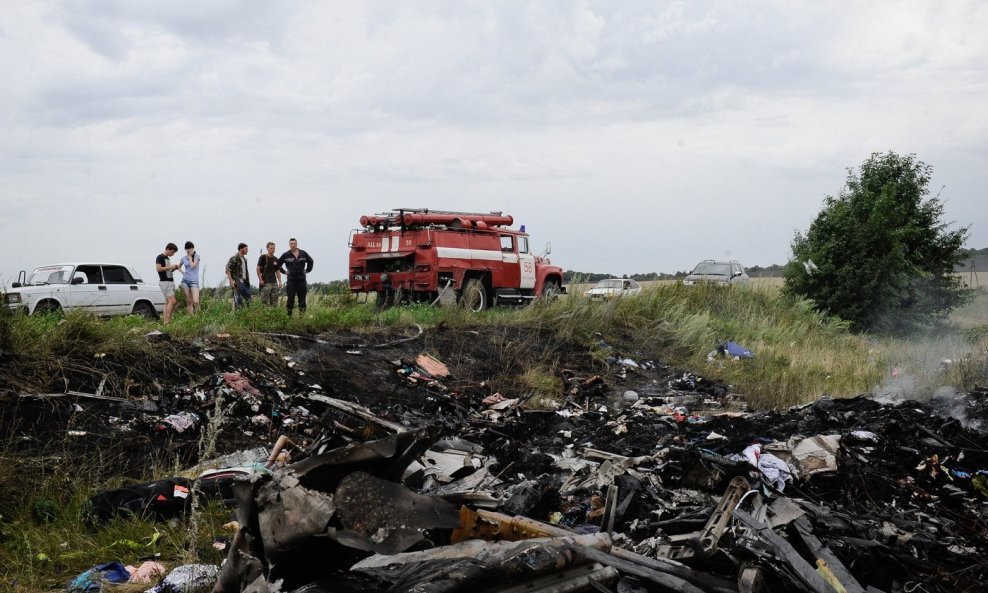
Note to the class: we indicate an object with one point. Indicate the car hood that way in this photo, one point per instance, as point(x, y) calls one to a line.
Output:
point(39, 288)
point(707, 278)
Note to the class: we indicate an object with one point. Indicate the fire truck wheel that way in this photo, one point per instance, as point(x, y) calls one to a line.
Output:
point(474, 295)
point(550, 290)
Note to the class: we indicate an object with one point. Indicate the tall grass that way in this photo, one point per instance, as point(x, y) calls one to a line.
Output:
point(44, 536)
point(799, 354)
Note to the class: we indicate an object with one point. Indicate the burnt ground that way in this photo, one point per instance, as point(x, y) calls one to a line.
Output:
point(906, 506)
point(360, 368)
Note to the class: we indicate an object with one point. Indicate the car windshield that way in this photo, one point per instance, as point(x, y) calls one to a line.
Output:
point(50, 275)
point(612, 283)
point(712, 269)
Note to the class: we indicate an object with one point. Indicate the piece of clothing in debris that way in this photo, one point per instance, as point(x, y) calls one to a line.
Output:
point(735, 350)
point(811, 455)
point(182, 421)
point(774, 470)
point(93, 580)
point(160, 500)
point(189, 578)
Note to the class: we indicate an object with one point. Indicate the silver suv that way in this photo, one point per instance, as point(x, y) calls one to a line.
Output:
point(717, 272)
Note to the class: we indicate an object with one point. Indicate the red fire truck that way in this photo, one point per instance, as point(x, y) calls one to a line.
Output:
point(420, 255)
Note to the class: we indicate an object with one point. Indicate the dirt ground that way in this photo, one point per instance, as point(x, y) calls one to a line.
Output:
point(903, 501)
point(128, 434)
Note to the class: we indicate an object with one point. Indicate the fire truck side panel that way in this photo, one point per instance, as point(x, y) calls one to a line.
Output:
point(485, 255)
point(418, 262)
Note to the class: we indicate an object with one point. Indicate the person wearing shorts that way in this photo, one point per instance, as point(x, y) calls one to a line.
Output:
point(190, 277)
point(165, 268)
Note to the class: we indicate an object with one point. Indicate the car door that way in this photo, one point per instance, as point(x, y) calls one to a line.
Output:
point(527, 263)
point(737, 274)
point(121, 290)
point(509, 277)
point(87, 292)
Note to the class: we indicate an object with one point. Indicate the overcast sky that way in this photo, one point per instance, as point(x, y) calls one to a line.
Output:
point(633, 136)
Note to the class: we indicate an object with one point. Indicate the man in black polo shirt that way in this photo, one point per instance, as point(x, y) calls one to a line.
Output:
point(298, 264)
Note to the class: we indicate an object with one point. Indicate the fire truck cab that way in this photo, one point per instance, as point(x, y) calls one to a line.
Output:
point(421, 255)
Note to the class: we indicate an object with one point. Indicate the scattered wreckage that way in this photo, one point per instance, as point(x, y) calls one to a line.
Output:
point(676, 488)
point(848, 510)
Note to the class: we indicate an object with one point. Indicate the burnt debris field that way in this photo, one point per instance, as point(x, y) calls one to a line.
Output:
point(423, 460)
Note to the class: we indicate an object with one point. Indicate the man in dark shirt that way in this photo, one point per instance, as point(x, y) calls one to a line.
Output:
point(238, 276)
point(269, 276)
point(298, 264)
point(166, 282)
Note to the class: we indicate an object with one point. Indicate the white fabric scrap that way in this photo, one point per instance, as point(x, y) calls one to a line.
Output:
point(864, 435)
point(773, 469)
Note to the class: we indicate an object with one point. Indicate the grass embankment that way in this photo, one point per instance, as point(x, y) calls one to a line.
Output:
point(799, 354)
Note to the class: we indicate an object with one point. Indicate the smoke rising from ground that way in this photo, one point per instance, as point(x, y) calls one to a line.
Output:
point(935, 369)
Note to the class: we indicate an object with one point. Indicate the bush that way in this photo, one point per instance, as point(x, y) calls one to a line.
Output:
point(879, 255)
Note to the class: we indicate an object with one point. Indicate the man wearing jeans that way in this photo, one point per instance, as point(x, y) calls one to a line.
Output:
point(238, 275)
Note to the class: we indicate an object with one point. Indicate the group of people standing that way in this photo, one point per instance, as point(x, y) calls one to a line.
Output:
point(293, 265)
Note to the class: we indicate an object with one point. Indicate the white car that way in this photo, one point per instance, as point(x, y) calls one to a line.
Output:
point(101, 289)
point(612, 288)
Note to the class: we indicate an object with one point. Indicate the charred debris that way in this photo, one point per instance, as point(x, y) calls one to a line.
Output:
point(394, 466)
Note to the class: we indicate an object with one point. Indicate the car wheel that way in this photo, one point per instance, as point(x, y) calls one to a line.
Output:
point(474, 295)
point(145, 310)
point(45, 307)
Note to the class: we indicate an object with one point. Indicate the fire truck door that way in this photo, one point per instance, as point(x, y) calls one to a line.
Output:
point(527, 262)
point(509, 276)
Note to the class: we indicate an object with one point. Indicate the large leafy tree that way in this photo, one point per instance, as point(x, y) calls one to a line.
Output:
point(879, 254)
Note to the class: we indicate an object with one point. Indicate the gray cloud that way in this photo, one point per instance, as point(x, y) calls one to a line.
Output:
point(635, 136)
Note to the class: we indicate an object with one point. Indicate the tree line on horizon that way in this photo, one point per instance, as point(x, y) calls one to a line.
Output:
point(973, 260)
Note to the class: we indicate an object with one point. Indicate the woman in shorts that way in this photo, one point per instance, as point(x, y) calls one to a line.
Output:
point(190, 277)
